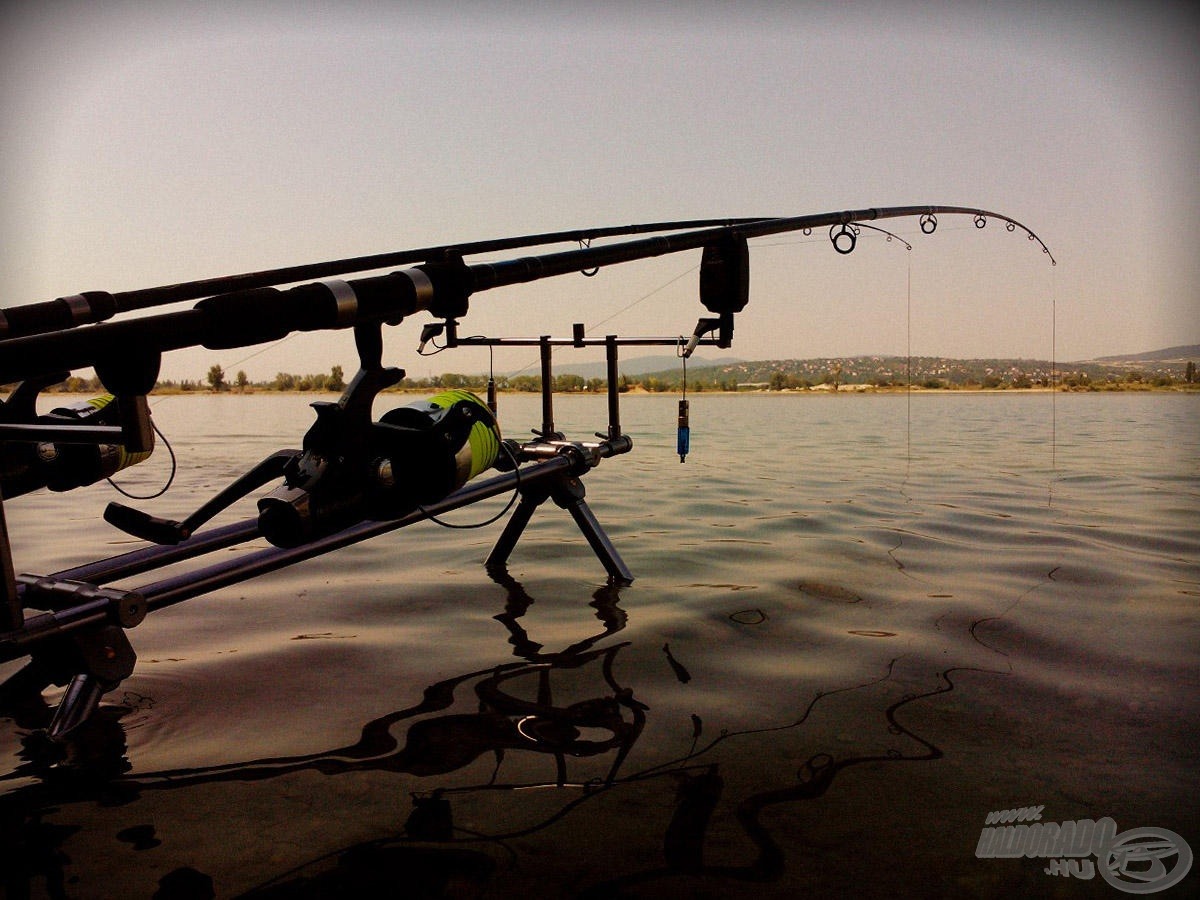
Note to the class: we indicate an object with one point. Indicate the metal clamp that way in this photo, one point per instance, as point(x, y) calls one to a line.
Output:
point(125, 608)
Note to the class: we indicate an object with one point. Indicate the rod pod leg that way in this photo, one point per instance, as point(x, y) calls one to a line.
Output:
point(76, 707)
point(99, 660)
point(568, 493)
point(531, 499)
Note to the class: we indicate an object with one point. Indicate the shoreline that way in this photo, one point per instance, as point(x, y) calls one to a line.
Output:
point(845, 390)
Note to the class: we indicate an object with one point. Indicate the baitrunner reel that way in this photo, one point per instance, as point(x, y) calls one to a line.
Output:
point(351, 468)
point(414, 455)
point(63, 458)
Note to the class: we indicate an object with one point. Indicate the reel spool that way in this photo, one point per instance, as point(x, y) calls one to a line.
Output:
point(475, 456)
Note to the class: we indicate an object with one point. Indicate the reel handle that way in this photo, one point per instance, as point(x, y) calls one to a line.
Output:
point(168, 531)
point(142, 525)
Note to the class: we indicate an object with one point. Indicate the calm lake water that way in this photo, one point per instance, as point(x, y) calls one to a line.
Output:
point(859, 625)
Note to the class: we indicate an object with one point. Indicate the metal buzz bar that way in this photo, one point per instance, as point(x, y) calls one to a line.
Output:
point(353, 479)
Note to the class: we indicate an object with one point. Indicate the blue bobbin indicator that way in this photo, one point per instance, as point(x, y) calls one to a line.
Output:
point(684, 436)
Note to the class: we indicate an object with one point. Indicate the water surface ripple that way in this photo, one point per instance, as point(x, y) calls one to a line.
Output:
point(859, 625)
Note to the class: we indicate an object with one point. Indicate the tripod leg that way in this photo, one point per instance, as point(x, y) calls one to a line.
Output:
point(601, 545)
point(100, 659)
point(569, 493)
point(77, 705)
point(513, 530)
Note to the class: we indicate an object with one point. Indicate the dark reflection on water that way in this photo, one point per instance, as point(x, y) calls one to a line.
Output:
point(93, 767)
point(838, 657)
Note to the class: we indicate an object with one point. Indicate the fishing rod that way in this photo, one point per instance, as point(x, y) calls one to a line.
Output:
point(441, 285)
point(353, 477)
point(89, 307)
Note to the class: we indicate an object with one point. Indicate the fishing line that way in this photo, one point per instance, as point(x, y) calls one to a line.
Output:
point(623, 309)
point(491, 382)
point(264, 349)
point(1053, 383)
point(683, 431)
point(790, 243)
point(496, 518)
point(170, 478)
point(436, 348)
point(908, 373)
point(903, 488)
point(491, 403)
point(644, 297)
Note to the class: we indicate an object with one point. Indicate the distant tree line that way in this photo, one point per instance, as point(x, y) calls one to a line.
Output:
point(217, 381)
point(710, 379)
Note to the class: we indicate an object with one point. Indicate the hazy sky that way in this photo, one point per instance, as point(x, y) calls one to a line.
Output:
point(150, 143)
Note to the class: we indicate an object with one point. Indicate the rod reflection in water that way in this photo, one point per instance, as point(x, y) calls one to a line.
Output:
point(608, 721)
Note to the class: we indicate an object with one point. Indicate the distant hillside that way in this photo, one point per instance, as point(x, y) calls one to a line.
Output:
point(1186, 352)
point(930, 371)
point(1169, 362)
point(640, 365)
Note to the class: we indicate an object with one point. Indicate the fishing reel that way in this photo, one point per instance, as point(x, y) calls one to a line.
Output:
point(351, 468)
point(62, 451)
point(414, 455)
